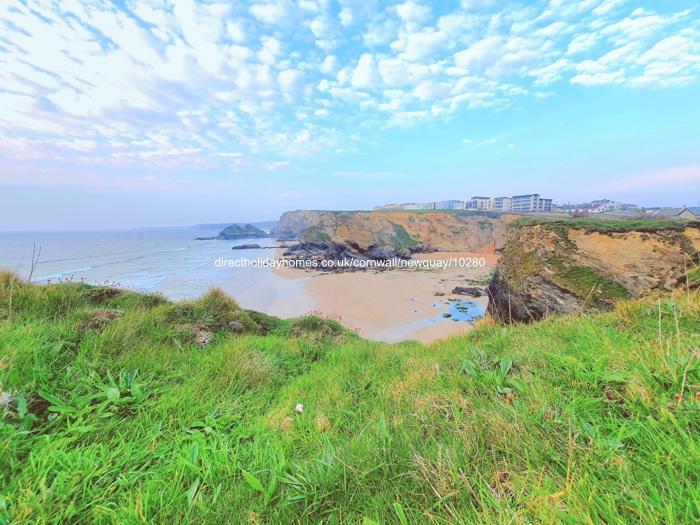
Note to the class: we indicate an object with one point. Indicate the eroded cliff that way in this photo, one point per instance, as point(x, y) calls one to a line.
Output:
point(293, 223)
point(384, 235)
point(561, 267)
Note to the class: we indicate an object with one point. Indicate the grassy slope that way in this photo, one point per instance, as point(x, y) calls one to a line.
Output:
point(130, 421)
point(605, 226)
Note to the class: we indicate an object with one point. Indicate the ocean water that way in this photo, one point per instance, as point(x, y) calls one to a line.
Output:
point(169, 261)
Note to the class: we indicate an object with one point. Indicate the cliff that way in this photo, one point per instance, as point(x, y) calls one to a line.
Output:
point(384, 235)
point(293, 223)
point(562, 267)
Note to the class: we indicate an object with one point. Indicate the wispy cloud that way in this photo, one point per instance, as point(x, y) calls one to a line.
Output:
point(85, 81)
point(676, 176)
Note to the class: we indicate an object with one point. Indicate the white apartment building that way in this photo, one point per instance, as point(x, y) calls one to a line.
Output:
point(482, 203)
point(531, 202)
point(503, 204)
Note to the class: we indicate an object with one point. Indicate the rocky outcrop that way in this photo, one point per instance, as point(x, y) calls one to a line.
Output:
point(471, 291)
point(293, 223)
point(562, 268)
point(235, 231)
point(388, 235)
point(247, 247)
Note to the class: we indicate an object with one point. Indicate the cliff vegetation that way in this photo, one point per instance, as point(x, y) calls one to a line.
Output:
point(125, 408)
point(570, 266)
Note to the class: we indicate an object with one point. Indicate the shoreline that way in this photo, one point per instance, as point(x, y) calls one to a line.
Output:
point(394, 305)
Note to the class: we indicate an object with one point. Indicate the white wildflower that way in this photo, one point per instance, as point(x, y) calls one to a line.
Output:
point(299, 408)
point(5, 399)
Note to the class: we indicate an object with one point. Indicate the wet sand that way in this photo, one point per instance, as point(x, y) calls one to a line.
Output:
point(278, 294)
point(392, 305)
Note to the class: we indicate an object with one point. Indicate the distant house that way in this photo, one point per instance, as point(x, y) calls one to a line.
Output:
point(628, 207)
point(410, 206)
point(604, 205)
point(597, 206)
point(688, 213)
point(674, 213)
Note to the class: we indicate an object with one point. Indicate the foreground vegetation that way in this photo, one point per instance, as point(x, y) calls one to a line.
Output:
point(125, 408)
point(561, 225)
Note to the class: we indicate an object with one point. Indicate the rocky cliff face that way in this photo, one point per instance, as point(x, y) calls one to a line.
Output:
point(293, 223)
point(385, 235)
point(562, 268)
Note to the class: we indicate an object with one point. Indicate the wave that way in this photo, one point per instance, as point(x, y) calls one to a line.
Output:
point(65, 273)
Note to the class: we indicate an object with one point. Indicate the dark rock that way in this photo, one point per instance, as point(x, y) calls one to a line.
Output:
point(471, 291)
point(235, 326)
point(204, 238)
point(203, 338)
point(538, 299)
point(247, 247)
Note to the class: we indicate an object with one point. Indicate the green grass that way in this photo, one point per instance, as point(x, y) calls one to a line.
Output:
point(130, 420)
point(402, 240)
point(584, 281)
point(605, 226)
point(519, 265)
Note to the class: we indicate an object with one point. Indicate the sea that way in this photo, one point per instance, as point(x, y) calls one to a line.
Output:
point(168, 261)
point(173, 263)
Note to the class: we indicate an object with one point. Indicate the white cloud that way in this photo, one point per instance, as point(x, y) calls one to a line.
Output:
point(582, 43)
point(597, 79)
point(330, 64)
point(636, 28)
point(477, 57)
point(677, 176)
point(346, 17)
point(292, 83)
point(432, 91)
point(674, 48)
point(412, 14)
point(551, 73)
point(380, 32)
point(235, 31)
point(273, 13)
point(415, 46)
point(277, 166)
point(607, 6)
point(365, 75)
point(101, 73)
point(477, 5)
point(310, 6)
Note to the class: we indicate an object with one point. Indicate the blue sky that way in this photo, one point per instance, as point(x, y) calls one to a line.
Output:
point(173, 112)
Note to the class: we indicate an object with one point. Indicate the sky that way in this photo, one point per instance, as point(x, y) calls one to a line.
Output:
point(175, 112)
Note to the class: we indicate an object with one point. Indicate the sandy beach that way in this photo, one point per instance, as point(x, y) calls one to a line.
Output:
point(392, 305)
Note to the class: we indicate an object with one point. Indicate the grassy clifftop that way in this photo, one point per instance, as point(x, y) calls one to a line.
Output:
point(116, 410)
